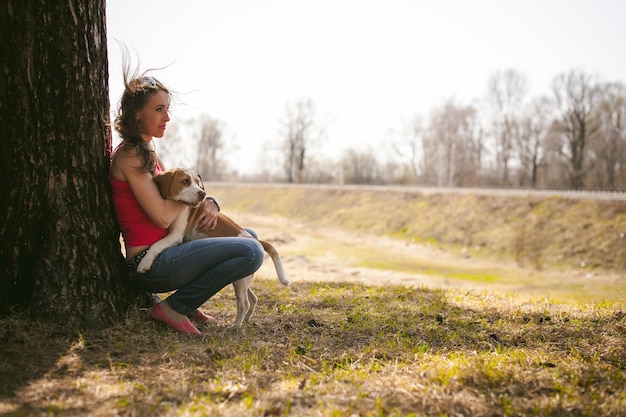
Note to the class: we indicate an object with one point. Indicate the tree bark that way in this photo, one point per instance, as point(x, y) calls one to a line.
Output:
point(60, 256)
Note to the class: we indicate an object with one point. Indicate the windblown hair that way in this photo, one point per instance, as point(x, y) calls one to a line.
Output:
point(138, 88)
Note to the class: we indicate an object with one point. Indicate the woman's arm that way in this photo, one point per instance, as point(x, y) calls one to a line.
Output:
point(162, 212)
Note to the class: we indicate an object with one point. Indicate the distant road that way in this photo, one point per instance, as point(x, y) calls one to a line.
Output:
point(618, 195)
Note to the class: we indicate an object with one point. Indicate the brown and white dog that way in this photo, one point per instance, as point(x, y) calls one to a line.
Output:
point(185, 185)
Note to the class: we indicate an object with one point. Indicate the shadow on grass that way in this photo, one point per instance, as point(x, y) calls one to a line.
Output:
point(30, 351)
point(333, 348)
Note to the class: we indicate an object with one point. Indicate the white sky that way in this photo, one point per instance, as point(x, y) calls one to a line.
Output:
point(369, 66)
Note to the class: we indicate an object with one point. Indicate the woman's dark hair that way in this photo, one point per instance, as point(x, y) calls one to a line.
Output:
point(138, 88)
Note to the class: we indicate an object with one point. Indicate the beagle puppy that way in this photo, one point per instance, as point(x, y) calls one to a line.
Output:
point(185, 185)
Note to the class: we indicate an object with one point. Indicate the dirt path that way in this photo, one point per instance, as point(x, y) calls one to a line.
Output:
point(330, 254)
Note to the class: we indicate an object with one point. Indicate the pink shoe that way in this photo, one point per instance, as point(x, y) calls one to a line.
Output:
point(185, 326)
point(200, 316)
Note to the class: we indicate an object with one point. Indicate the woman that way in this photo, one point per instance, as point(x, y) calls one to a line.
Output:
point(196, 270)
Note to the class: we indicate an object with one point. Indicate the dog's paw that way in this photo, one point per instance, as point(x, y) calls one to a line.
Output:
point(144, 265)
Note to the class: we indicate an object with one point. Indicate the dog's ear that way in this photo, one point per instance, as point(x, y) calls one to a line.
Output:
point(163, 181)
point(199, 180)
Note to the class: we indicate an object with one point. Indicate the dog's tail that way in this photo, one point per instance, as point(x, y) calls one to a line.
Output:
point(278, 264)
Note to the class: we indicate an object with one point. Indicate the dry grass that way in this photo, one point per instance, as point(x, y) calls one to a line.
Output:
point(330, 346)
point(325, 349)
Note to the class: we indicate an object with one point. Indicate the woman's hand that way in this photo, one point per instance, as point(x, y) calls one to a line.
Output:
point(208, 219)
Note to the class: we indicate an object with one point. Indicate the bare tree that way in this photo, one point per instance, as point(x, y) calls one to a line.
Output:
point(410, 148)
point(474, 136)
point(301, 133)
point(360, 167)
point(323, 170)
point(534, 127)
point(60, 256)
point(609, 147)
point(576, 98)
point(209, 160)
point(506, 93)
point(452, 147)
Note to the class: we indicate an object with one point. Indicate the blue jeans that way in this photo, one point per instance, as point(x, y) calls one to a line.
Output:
point(199, 269)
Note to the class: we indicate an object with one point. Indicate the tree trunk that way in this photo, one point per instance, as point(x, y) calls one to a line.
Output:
point(59, 256)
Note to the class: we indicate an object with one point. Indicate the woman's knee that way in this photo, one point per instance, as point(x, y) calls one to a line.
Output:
point(257, 253)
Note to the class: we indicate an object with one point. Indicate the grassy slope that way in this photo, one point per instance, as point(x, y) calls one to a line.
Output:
point(537, 231)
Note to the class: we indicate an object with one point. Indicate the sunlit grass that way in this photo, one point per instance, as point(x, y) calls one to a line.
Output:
point(503, 277)
point(436, 270)
point(331, 349)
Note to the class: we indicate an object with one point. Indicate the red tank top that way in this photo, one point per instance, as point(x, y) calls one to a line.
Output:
point(137, 228)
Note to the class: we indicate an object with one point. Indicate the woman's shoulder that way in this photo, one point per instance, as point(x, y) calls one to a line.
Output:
point(124, 161)
point(125, 151)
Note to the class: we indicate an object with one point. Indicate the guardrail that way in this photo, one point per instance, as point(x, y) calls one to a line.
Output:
point(590, 194)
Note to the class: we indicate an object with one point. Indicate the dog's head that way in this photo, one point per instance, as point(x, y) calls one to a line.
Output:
point(181, 184)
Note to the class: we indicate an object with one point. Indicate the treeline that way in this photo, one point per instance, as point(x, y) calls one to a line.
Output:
point(574, 137)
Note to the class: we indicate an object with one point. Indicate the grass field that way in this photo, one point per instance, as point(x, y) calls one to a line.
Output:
point(330, 349)
point(376, 323)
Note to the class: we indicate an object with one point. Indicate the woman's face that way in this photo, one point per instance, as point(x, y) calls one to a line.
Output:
point(155, 115)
